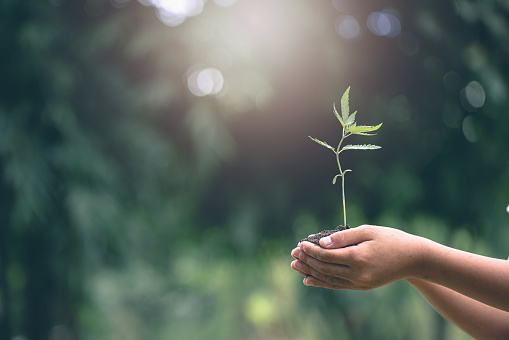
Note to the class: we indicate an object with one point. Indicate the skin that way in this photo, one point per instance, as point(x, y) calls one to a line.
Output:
point(470, 290)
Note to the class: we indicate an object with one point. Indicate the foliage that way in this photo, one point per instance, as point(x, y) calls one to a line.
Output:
point(131, 208)
point(349, 127)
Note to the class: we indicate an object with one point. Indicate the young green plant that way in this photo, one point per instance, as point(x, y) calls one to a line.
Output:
point(349, 127)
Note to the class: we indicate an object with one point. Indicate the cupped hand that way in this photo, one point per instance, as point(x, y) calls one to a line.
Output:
point(360, 258)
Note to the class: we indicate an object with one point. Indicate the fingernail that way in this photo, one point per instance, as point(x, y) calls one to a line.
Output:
point(326, 241)
point(307, 281)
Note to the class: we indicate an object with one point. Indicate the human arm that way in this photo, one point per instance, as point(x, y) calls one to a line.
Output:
point(475, 318)
point(367, 257)
point(376, 256)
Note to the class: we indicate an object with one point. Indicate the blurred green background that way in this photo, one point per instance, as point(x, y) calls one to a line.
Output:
point(156, 170)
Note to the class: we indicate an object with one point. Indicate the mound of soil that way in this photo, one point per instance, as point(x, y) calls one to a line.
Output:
point(315, 238)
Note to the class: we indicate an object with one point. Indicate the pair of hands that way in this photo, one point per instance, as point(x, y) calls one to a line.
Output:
point(361, 258)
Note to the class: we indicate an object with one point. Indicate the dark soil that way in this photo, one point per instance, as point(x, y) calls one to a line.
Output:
point(315, 238)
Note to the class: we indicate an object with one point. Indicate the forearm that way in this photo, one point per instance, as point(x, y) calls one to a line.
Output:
point(475, 318)
point(481, 278)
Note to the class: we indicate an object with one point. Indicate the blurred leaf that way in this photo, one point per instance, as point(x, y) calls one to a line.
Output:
point(323, 144)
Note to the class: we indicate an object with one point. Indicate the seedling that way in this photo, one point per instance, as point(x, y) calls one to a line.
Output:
point(349, 127)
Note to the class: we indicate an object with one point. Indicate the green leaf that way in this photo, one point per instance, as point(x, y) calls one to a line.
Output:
point(363, 129)
point(345, 106)
point(350, 128)
point(323, 143)
point(351, 119)
point(338, 116)
point(361, 147)
point(334, 179)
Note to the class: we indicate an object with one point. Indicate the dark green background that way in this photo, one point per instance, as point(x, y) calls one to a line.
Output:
point(132, 209)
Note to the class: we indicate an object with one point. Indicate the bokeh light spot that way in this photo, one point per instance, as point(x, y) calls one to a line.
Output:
point(347, 27)
point(175, 12)
point(384, 24)
point(475, 94)
point(469, 129)
point(207, 81)
point(260, 309)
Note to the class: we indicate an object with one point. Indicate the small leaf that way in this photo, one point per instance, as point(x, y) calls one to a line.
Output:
point(323, 144)
point(363, 133)
point(361, 147)
point(351, 119)
point(345, 106)
point(362, 129)
point(338, 116)
point(350, 128)
point(334, 179)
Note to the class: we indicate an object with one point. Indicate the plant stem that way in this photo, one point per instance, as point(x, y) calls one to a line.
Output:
point(344, 202)
point(338, 150)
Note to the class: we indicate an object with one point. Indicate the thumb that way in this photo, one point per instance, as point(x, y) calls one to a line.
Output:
point(346, 238)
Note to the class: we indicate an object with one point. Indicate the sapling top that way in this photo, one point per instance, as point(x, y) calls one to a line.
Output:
point(349, 127)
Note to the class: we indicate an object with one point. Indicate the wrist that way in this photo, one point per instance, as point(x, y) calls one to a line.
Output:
point(421, 258)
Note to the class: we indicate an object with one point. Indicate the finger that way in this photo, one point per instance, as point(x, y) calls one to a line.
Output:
point(335, 278)
point(295, 253)
point(296, 267)
point(333, 256)
point(326, 268)
point(347, 237)
point(301, 267)
point(314, 282)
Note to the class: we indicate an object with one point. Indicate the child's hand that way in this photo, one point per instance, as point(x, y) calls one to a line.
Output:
point(361, 258)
